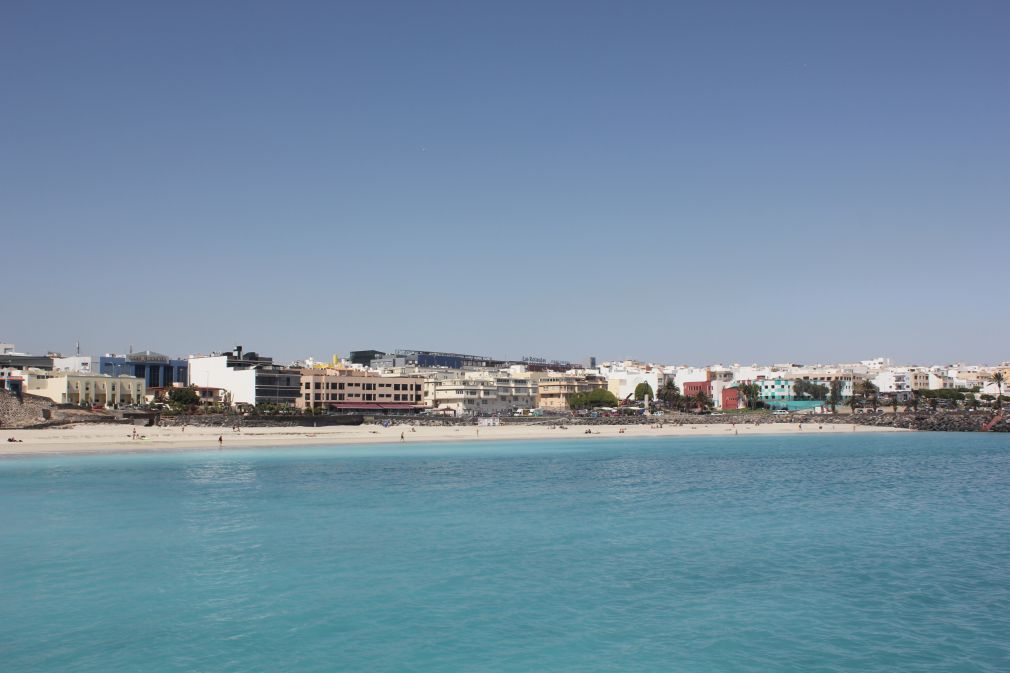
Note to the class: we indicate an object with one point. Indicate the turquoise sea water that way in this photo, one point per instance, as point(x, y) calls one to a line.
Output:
point(832, 553)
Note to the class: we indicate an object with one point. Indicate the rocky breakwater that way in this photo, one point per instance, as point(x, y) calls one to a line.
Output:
point(935, 421)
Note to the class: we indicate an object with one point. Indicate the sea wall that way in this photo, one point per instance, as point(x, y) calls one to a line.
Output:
point(25, 412)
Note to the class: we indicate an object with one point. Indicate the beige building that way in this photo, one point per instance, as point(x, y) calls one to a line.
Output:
point(355, 390)
point(77, 388)
point(555, 389)
point(918, 379)
point(481, 393)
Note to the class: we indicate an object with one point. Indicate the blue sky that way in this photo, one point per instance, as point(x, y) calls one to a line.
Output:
point(684, 182)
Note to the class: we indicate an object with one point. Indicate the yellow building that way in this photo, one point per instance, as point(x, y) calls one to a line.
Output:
point(91, 389)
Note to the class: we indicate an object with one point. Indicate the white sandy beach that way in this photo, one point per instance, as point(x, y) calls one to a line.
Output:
point(101, 438)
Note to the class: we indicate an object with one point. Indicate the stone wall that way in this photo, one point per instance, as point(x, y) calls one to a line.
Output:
point(28, 411)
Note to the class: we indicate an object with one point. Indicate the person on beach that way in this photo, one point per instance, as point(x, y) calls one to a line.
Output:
point(220, 440)
point(402, 438)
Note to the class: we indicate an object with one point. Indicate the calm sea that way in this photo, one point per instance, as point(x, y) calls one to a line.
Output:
point(832, 553)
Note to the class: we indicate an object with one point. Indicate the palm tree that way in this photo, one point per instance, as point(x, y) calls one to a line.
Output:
point(854, 401)
point(670, 393)
point(834, 394)
point(869, 391)
point(999, 379)
point(750, 392)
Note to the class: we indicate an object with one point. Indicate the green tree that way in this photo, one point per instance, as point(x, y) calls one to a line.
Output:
point(834, 395)
point(809, 390)
point(669, 393)
point(869, 392)
point(183, 397)
point(643, 390)
point(855, 401)
point(702, 400)
point(751, 393)
point(999, 379)
point(594, 398)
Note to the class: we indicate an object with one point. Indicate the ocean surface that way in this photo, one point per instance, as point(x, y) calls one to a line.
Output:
point(887, 552)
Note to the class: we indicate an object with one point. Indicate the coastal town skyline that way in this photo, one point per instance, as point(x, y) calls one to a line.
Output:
point(323, 355)
point(410, 381)
point(534, 356)
point(759, 182)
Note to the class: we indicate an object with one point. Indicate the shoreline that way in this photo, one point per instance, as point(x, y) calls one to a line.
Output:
point(91, 439)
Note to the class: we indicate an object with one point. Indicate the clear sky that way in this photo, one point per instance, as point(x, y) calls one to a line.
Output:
point(682, 182)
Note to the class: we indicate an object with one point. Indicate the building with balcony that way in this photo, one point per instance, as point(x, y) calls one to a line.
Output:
point(554, 390)
point(481, 393)
point(90, 389)
point(339, 389)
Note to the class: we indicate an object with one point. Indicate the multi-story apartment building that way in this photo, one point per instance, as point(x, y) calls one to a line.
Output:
point(345, 389)
point(624, 377)
point(248, 377)
point(481, 393)
point(78, 388)
point(918, 379)
point(554, 390)
point(894, 381)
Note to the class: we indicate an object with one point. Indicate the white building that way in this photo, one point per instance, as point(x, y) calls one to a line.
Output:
point(894, 381)
point(480, 393)
point(623, 378)
point(212, 371)
point(83, 364)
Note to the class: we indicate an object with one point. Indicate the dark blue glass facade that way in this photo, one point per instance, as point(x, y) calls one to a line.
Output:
point(156, 372)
